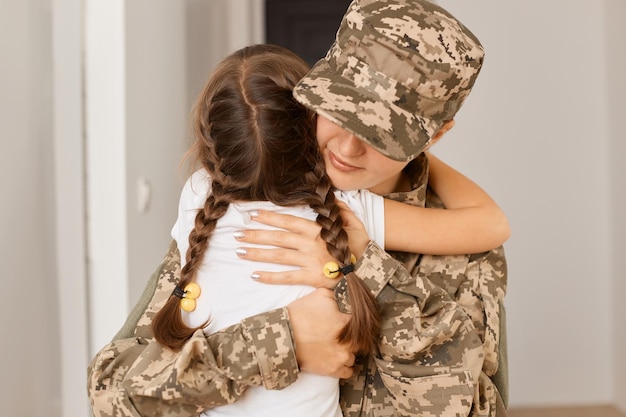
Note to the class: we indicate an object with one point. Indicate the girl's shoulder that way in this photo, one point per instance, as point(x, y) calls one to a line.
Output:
point(197, 186)
point(199, 182)
point(359, 197)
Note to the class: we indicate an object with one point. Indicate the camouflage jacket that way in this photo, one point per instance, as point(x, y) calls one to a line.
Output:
point(440, 348)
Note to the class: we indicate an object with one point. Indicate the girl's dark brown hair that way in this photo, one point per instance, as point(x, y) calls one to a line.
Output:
point(258, 144)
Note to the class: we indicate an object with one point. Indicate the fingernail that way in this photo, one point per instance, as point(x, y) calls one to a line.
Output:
point(255, 276)
point(239, 234)
point(241, 251)
point(253, 213)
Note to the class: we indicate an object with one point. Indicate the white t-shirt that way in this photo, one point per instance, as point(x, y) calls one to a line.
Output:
point(228, 294)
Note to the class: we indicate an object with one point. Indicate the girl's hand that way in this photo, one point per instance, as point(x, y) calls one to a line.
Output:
point(298, 244)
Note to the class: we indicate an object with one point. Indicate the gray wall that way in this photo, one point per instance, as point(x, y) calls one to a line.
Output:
point(157, 110)
point(616, 91)
point(540, 134)
point(30, 348)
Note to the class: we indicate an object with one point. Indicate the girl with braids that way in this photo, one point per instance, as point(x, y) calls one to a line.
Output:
point(257, 152)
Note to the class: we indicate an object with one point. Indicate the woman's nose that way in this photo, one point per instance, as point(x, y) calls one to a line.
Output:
point(350, 145)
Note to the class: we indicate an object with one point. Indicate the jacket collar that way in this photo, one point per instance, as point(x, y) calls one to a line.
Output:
point(417, 172)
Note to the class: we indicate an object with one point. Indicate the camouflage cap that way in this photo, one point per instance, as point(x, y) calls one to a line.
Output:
point(398, 69)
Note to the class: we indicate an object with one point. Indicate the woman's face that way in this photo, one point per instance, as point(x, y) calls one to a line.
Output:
point(352, 164)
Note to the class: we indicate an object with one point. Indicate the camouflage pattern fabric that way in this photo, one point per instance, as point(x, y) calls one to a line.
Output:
point(396, 72)
point(439, 345)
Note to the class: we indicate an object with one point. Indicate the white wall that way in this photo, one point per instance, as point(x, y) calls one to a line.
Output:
point(106, 177)
point(29, 352)
point(536, 135)
point(69, 178)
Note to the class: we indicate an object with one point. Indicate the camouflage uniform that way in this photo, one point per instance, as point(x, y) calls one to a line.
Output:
point(397, 71)
point(440, 342)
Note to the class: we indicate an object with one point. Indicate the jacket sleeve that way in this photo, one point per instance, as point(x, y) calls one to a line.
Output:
point(430, 354)
point(135, 376)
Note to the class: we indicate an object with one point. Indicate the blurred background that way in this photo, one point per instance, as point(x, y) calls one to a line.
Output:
point(94, 104)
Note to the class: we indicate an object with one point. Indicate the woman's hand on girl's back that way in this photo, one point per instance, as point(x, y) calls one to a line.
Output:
point(298, 243)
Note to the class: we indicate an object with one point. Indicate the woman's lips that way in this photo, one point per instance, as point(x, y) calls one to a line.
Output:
point(341, 165)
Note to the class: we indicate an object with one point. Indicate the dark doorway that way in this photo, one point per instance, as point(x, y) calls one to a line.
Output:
point(307, 27)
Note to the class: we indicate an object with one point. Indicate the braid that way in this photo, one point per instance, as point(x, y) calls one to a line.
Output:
point(168, 326)
point(364, 326)
point(205, 223)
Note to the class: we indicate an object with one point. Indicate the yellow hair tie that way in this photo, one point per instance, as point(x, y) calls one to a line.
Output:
point(332, 269)
point(187, 296)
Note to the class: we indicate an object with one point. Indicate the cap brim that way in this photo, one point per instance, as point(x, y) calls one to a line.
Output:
point(382, 124)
